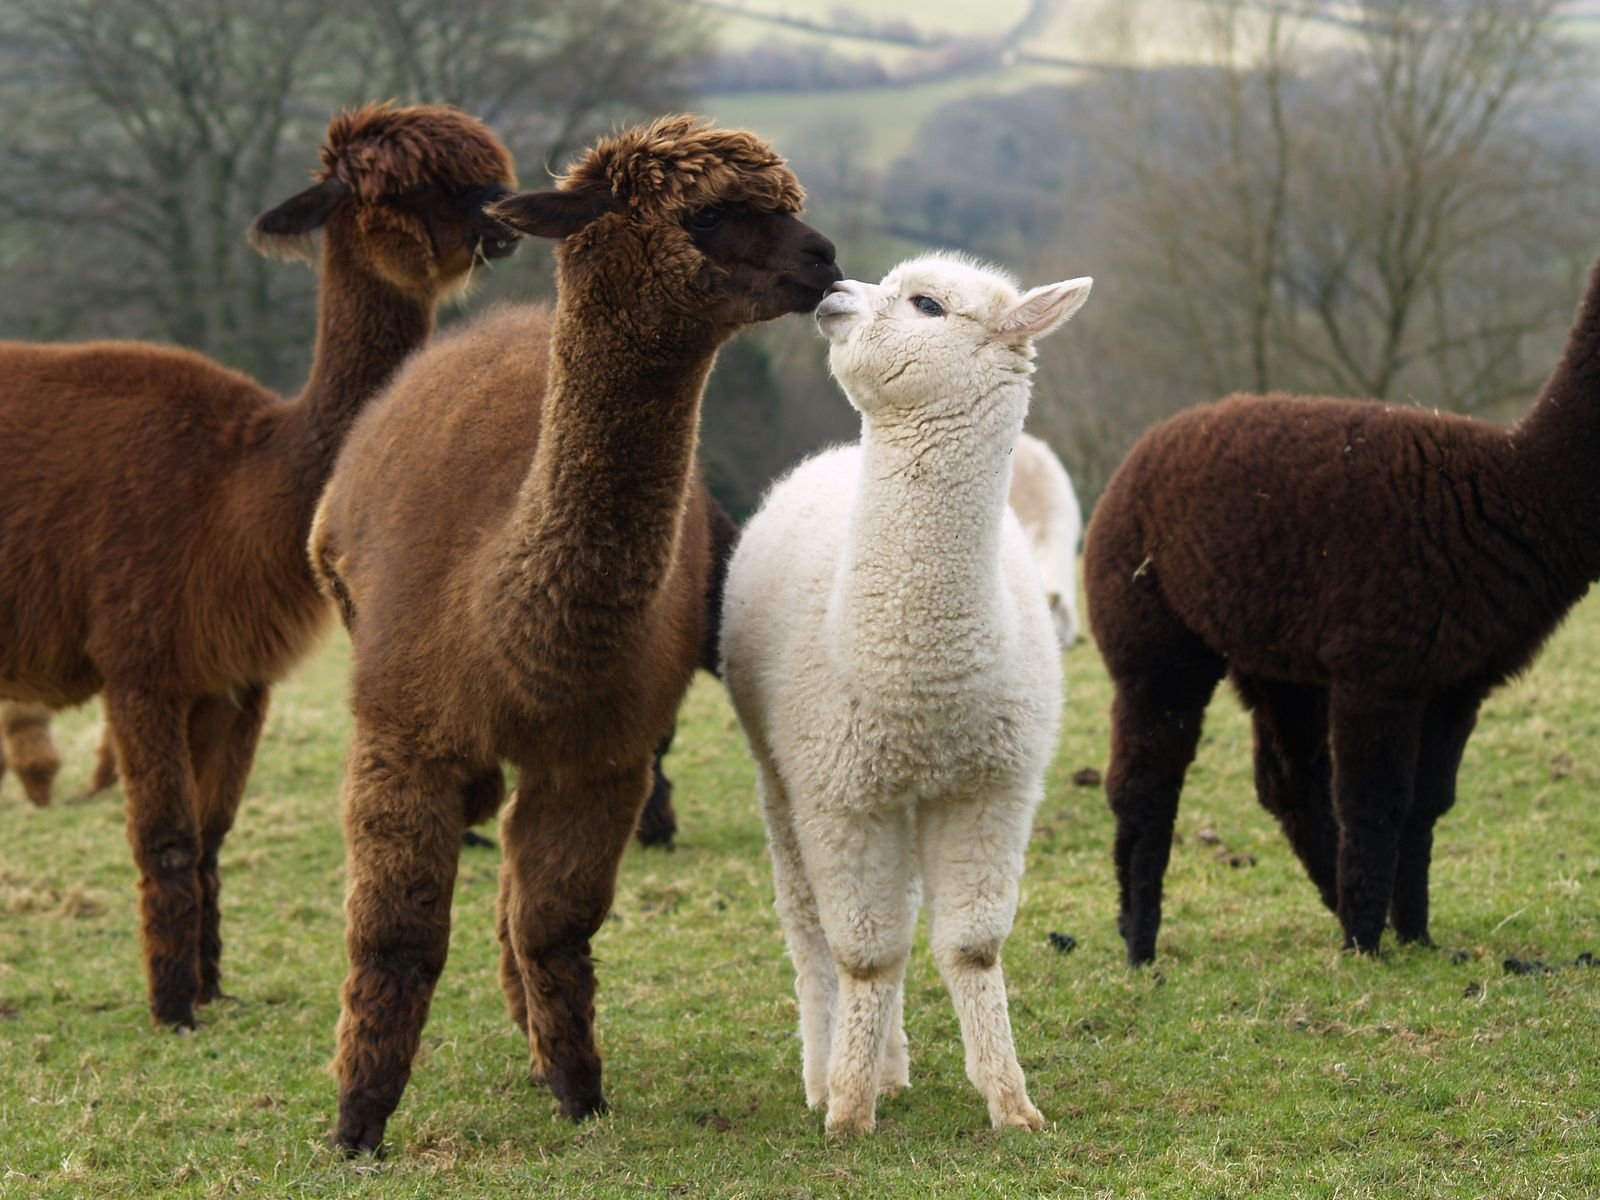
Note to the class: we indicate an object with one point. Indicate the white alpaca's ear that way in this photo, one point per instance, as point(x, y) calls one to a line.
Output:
point(1044, 308)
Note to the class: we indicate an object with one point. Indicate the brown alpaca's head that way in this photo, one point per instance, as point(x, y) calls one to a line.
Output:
point(402, 189)
point(683, 219)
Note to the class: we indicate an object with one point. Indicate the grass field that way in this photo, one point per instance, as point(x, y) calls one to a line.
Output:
point(1256, 1060)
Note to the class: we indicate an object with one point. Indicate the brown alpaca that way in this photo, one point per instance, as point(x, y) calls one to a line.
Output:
point(154, 507)
point(517, 534)
point(1366, 574)
point(25, 744)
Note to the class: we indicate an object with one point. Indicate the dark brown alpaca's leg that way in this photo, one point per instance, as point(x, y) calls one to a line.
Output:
point(1294, 773)
point(403, 822)
point(1445, 729)
point(1155, 726)
point(1375, 751)
point(563, 839)
point(223, 733)
point(659, 821)
point(164, 831)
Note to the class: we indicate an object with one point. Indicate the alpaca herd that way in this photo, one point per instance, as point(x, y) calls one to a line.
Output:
point(512, 524)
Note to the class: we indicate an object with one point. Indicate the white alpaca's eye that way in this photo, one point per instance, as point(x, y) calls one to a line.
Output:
point(927, 305)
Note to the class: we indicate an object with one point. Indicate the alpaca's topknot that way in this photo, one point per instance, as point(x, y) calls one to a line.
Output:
point(678, 164)
point(384, 149)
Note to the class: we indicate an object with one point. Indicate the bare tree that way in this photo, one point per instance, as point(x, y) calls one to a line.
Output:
point(1370, 214)
point(158, 128)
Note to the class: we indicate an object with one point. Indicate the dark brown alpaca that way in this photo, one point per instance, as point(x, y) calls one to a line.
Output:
point(1366, 574)
point(25, 744)
point(154, 507)
point(518, 536)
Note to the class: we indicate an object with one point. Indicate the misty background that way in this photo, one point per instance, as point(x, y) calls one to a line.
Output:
point(1394, 199)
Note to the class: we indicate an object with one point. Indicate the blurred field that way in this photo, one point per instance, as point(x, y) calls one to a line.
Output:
point(1256, 1060)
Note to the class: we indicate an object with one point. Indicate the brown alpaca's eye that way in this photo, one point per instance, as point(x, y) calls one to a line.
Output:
point(928, 306)
point(705, 220)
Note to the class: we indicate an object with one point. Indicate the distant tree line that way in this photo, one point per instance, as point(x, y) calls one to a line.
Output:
point(1404, 211)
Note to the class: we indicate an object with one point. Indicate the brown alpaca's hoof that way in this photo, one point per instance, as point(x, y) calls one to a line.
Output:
point(580, 1106)
point(359, 1131)
point(359, 1141)
point(177, 1016)
point(37, 784)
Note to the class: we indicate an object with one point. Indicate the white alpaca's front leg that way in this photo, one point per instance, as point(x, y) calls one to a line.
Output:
point(859, 865)
point(816, 985)
point(972, 859)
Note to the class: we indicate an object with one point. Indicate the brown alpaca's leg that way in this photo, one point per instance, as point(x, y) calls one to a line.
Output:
point(163, 829)
point(1294, 773)
point(105, 764)
point(403, 822)
point(223, 732)
point(510, 972)
point(1155, 727)
point(1445, 730)
point(563, 840)
point(659, 821)
point(1376, 740)
point(25, 735)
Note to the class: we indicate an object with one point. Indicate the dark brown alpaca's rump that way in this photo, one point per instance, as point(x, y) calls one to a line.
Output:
point(154, 509)
point(1367, 574)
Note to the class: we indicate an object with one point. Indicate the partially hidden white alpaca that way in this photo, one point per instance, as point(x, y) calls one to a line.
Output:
point(1045, 502)
point(888, 648)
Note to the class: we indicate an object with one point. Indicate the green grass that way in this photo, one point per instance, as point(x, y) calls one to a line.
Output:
point(1256, 1060)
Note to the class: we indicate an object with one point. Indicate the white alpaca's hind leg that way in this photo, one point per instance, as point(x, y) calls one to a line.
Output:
point(860, 865)
point(816, 985)
point(971, 861)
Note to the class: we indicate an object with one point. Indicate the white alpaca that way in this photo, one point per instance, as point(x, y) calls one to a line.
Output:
point(1043, 499)
point(888, 649)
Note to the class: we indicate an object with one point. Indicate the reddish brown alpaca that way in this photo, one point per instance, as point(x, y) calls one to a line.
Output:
point(517, 534)
point(1367, 574)
point(154, 507)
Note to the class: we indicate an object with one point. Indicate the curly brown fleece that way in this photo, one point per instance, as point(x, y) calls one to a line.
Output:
point(154, 508)
point(519, 534)
point(1367, 574)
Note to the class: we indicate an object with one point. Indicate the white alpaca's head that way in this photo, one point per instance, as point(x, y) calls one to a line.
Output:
point(938, 330)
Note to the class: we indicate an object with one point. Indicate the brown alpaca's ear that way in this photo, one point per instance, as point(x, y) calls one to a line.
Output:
point(1044, 308)
point(553, 214)
point(285, 231)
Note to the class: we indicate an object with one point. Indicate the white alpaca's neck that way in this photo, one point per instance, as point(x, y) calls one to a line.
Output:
point(919, 580)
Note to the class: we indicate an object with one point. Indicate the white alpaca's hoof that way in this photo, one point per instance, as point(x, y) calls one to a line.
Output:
point(894, 1072)
point(844, 1124)
point(1018, 1116)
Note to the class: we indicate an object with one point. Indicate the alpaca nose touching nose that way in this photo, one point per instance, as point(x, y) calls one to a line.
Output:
point(817, 252)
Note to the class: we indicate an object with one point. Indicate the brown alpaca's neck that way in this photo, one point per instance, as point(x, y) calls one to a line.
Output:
point(595, 532)
point(1560, 440)
point(365, 329)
